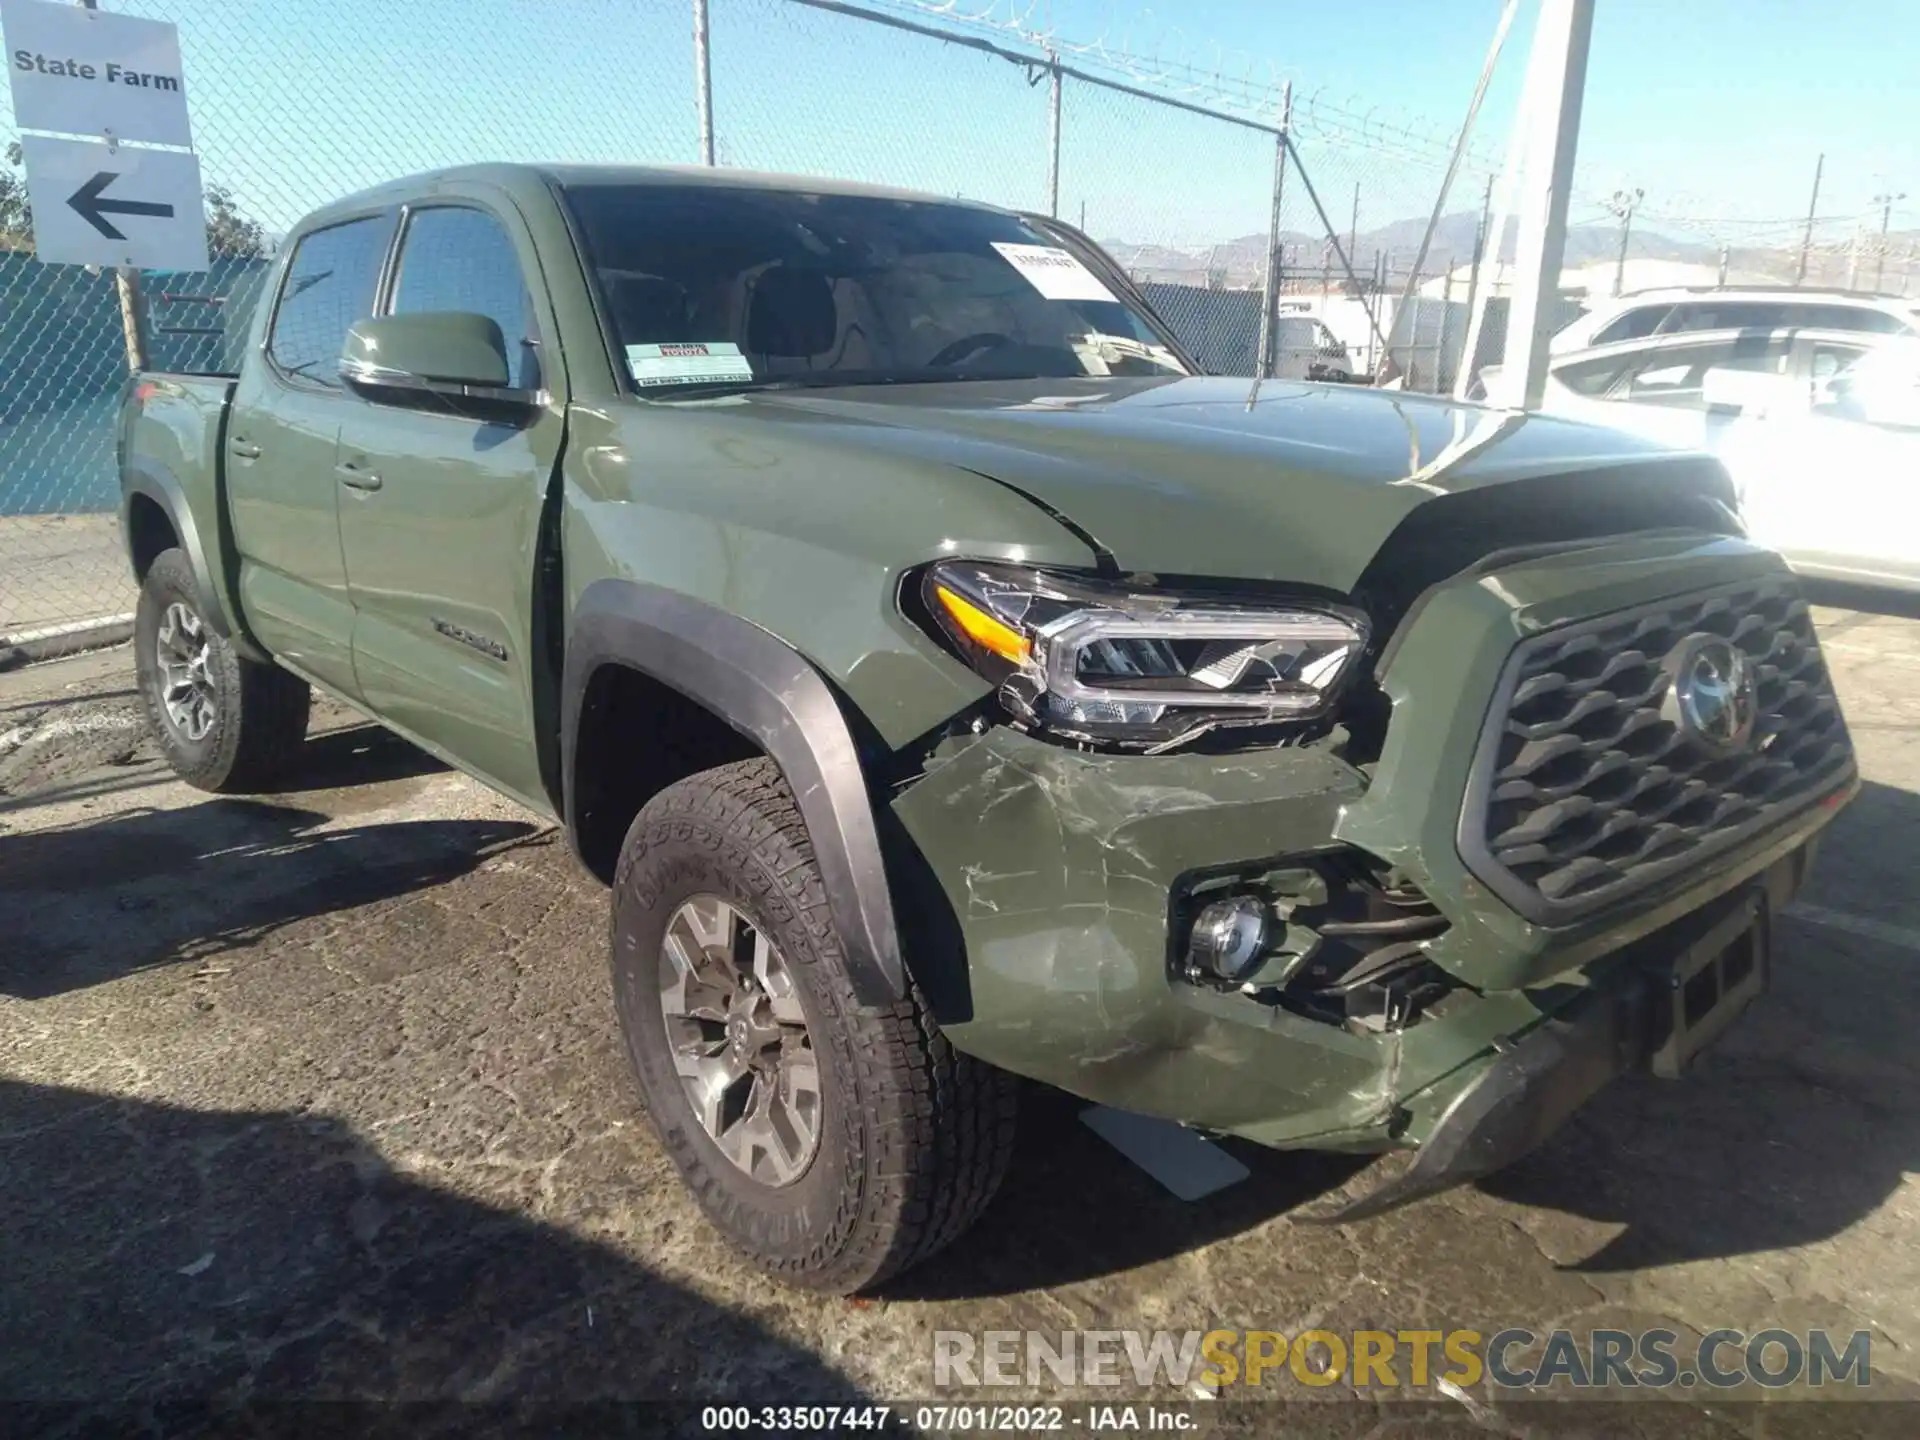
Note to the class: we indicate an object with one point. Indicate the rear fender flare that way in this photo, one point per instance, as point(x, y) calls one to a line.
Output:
point(768, 692)
point(156, 483)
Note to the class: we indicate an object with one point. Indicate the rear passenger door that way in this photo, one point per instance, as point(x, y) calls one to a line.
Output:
point(282, 439)
point(440, 523)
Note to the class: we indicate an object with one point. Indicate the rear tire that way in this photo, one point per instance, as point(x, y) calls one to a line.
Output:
point(911, 1138)
point(223, 722)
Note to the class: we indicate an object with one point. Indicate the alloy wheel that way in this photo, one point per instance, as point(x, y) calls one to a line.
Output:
point(184, 653)
point(739, 1040)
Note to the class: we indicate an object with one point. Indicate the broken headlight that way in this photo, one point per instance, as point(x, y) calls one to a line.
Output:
point(1109, 663)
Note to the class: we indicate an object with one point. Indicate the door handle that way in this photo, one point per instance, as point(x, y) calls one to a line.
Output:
point(356, 478)
point(245, 449)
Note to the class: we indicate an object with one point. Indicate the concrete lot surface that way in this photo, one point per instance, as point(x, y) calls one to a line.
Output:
point(318, 1094)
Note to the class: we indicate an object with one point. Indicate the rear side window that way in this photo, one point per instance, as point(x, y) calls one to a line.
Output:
point(1731, 315)
point(1634, 325)
point(456, 258)
point(330, 284)
point(1856, 317)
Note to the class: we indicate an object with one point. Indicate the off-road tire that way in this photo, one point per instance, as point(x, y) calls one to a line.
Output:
point(260, 711)
point(914, 1136)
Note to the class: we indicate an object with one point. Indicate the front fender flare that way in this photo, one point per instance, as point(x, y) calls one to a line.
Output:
point(767, 691)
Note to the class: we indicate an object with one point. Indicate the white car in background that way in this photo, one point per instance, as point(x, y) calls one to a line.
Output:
point(1820, 430)
point(1647, 313)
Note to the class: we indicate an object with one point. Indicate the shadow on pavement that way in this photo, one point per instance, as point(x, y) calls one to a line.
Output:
point(149, 1253)
point(362, 755)
point(1805, 1119)
point(1073, 1208)
point(205, 880)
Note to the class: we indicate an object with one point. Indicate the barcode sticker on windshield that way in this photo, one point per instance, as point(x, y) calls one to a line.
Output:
point(689, 363)
point(1054, 272)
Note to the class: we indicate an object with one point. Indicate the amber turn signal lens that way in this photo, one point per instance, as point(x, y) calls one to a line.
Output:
point(994, 636)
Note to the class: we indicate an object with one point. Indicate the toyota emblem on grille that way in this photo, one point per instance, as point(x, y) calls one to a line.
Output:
point(1711, 694)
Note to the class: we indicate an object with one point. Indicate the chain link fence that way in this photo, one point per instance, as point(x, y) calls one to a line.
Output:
point(298, 102)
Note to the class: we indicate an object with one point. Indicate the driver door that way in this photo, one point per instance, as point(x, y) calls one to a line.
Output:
point(440, 511)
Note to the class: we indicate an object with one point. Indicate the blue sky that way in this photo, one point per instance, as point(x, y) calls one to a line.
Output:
point(1715, 107)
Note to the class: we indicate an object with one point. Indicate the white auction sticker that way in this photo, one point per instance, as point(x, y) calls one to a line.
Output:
point(687, 363)
point(1054, 272)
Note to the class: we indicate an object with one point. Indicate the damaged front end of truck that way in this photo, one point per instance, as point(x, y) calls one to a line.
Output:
point(1416, 866)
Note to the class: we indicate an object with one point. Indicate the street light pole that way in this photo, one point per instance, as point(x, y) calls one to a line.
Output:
point(1623, 204)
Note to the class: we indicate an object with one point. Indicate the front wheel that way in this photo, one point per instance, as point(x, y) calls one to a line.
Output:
point(223, 722)
point(834, 1144)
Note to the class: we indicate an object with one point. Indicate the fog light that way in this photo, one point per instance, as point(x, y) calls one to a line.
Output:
point(1229, 938)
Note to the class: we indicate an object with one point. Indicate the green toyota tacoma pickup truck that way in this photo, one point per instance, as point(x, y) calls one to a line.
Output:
point(953, 685)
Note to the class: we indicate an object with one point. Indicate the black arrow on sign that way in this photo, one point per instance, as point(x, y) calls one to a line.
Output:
point(91, 207)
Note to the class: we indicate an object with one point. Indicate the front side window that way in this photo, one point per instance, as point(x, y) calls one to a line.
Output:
point(330, 284)
point(1677, 376)
point(460, 259)
point(711, 286)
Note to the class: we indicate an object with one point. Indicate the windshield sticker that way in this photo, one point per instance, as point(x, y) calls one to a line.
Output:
point(690, 363)
point(1054, 272)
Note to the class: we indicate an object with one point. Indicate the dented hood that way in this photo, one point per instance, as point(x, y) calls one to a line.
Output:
point(1295, 482)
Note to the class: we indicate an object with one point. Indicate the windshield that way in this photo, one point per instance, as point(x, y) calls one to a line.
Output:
point(711, 287)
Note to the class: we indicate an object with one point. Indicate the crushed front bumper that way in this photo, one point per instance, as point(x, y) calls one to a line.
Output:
point(1055, 870)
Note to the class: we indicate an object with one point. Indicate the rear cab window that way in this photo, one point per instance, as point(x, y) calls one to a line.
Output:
point(330, 283)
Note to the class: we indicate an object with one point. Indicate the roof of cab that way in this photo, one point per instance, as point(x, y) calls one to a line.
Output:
point(523, 178)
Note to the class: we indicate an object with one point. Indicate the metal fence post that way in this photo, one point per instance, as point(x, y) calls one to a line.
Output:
point(1053, 135)
point(1441, 379)
point(703, 80)
point(126, 286)
point(1813, 209)
point(1558, 85)
point(1270, 281)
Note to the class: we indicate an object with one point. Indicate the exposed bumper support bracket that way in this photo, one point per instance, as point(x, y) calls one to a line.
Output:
point(1640, 1020)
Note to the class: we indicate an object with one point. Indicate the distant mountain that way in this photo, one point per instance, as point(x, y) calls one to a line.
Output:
point(1238, 262)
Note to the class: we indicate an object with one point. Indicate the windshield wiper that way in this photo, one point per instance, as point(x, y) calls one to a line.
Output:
point(818, 380)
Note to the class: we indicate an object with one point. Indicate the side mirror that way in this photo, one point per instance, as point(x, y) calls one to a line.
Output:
point(448, 355)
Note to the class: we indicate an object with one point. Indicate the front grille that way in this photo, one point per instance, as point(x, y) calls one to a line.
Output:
point(1584, 790)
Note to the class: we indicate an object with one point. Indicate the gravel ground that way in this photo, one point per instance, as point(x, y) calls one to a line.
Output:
point(318, 1095)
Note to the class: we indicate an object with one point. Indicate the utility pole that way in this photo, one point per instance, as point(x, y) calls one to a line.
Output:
point(1353, 227)
point(1886, 202)
point(1556, 87)
point(1622, 204)
point(1813, 206)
